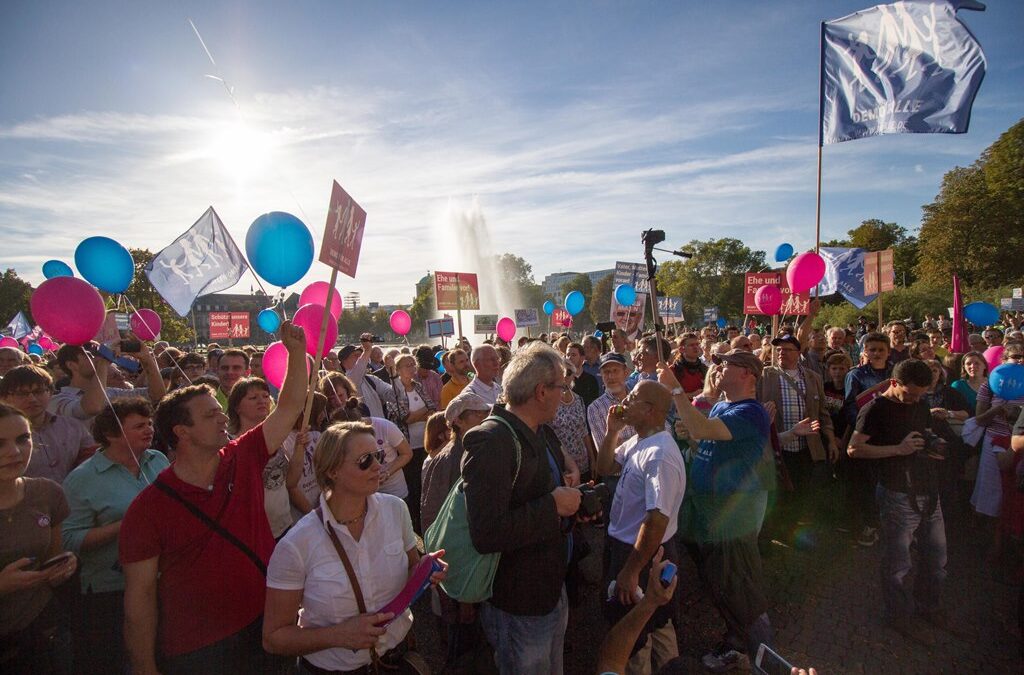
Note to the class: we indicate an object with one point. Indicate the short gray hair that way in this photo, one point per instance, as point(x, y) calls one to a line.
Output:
point(534, 364)
point(479, 352)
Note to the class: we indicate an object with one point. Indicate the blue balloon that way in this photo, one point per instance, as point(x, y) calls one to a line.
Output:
point(574, 302)
point(981, 314)
point(279, 247)
point(105, 264)
point(35, 349)
point(722, 323)
point(625, 295)
point(784, 252)
point(1007, 381)
point(440, 363)
point(57, 268)
point(268, 320)
point(549, 307)
point(598, 334)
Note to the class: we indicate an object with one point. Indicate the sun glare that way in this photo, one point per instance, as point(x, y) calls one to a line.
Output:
point(241, 150)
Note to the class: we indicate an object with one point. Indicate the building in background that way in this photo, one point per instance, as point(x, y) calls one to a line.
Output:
point(234, 304)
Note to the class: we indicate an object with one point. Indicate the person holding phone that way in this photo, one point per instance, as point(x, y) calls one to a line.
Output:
point(31, 513)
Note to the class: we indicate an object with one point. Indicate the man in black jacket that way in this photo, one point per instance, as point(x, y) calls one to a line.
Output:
point(523, 509)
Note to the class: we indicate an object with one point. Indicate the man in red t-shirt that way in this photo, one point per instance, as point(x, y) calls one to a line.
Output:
point(688, 368)
point(194, 589)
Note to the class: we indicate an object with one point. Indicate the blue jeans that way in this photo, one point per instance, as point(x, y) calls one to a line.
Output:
point(527, 645)
point(901, 523)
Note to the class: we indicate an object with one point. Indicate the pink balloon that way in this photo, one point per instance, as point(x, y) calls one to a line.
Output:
point(401, 322)
point(804, 273)
point(47, 344)
point(994, 357)
point(275, 363)
point(69, 309)
point(8, 341)
point(316, 294)
point(768, 300)
point(567, 323)
point(506, 329)
point(146, 324)
point(309, 317)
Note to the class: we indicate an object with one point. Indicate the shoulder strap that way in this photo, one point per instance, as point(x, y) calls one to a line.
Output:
point(212, 524)
point(344, 561)
point(515, 439)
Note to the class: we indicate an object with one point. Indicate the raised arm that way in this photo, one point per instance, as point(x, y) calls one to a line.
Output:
point(292, 398)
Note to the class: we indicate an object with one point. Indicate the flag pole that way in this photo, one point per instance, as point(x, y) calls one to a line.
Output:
point(821, 135)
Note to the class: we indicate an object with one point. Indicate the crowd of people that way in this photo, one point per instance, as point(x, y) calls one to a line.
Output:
point(186, 516)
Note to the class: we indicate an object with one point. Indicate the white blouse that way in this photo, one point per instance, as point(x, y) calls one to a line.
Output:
point(305, 559)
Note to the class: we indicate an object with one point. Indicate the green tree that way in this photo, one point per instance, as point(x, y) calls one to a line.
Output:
point(601, 302)
point(519, 274)
point(973, 227)
point(14, 296)
point(875, 234)
point(141, 293)
point(581, 283)
point(713, 277)
point(423, 306)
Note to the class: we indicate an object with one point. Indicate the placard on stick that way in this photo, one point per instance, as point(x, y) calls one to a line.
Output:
point(343, 233)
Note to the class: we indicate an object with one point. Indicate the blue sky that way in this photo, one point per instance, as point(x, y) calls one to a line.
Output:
point(567, 126)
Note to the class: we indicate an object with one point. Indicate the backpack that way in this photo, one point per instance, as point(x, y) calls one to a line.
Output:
point(470, 573)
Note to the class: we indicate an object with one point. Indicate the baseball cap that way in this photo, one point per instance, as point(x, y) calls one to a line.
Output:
point(346, 351)
point(467, 400)
point(741, 357)
point(786, 340)
point(612, 357)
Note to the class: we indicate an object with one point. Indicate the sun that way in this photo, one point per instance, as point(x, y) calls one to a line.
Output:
point(241, 150)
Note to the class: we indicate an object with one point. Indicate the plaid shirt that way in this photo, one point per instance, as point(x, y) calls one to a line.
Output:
point(794, 406)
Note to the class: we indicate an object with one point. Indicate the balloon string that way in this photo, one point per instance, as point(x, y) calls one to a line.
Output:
point(152, 332)
point(117, 419)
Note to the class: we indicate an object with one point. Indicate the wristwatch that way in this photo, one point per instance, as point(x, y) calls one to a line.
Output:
point(677, 391)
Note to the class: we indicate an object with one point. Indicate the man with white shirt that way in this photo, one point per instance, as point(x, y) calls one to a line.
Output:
point(644, 512)
point(487, 365)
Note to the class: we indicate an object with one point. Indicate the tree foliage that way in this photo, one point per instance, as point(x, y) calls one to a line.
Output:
point(14, 296)
point(581, 283)
point(973, 227)
point(519, 274)
point(875, 234)
point(713, 277)
point(423, 305)
point(601, 299)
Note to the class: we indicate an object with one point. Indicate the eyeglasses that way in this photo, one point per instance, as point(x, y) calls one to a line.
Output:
point(366, 461)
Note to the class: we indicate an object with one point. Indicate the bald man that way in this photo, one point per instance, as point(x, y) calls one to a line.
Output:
point(9, 358)
point(644, 512)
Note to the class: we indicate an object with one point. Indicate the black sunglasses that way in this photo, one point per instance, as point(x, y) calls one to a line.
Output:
point(366, 461)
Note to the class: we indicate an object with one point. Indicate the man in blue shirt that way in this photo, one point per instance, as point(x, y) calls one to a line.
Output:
point(729, 478)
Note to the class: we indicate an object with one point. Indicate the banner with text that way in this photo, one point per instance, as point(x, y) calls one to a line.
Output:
point(229, 325)
point(343, 233)
point(792, 305)
point(525, 318)
point(634, 274)
point(484, 324)
point(449, 287)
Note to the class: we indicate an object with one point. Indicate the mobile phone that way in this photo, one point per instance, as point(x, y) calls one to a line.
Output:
point(768, 662)
point(131, 346)
point(668, 573)
point(56, 560)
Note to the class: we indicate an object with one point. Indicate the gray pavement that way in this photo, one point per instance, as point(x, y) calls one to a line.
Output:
point(827, 612)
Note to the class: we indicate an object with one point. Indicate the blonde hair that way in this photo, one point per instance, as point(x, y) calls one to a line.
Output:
point(332, 448)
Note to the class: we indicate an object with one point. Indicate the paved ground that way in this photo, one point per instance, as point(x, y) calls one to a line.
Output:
point(827, 613)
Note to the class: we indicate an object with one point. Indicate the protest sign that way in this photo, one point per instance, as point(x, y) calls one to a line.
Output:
point(449, 287)
point(560, 317)
point(526, 318)
point(443, 327)
point(710, 314)
point(634, 274)
point(878, 272)
point(343, 233)
point(670, 308)
point(792, 305)
point(628, 318)
point(484, 324)
point(229, 325)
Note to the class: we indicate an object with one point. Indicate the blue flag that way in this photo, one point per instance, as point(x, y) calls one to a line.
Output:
point(911, 67)
point(203, 260)
point(844, 274)
point(17, 327)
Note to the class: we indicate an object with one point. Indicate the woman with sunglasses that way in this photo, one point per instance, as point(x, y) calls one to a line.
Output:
point(307, 576)
point(997, 416)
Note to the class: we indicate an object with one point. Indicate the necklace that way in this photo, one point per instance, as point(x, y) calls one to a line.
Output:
point(353, 520)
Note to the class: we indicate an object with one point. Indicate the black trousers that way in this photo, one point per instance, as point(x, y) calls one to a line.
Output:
point(413, 472)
